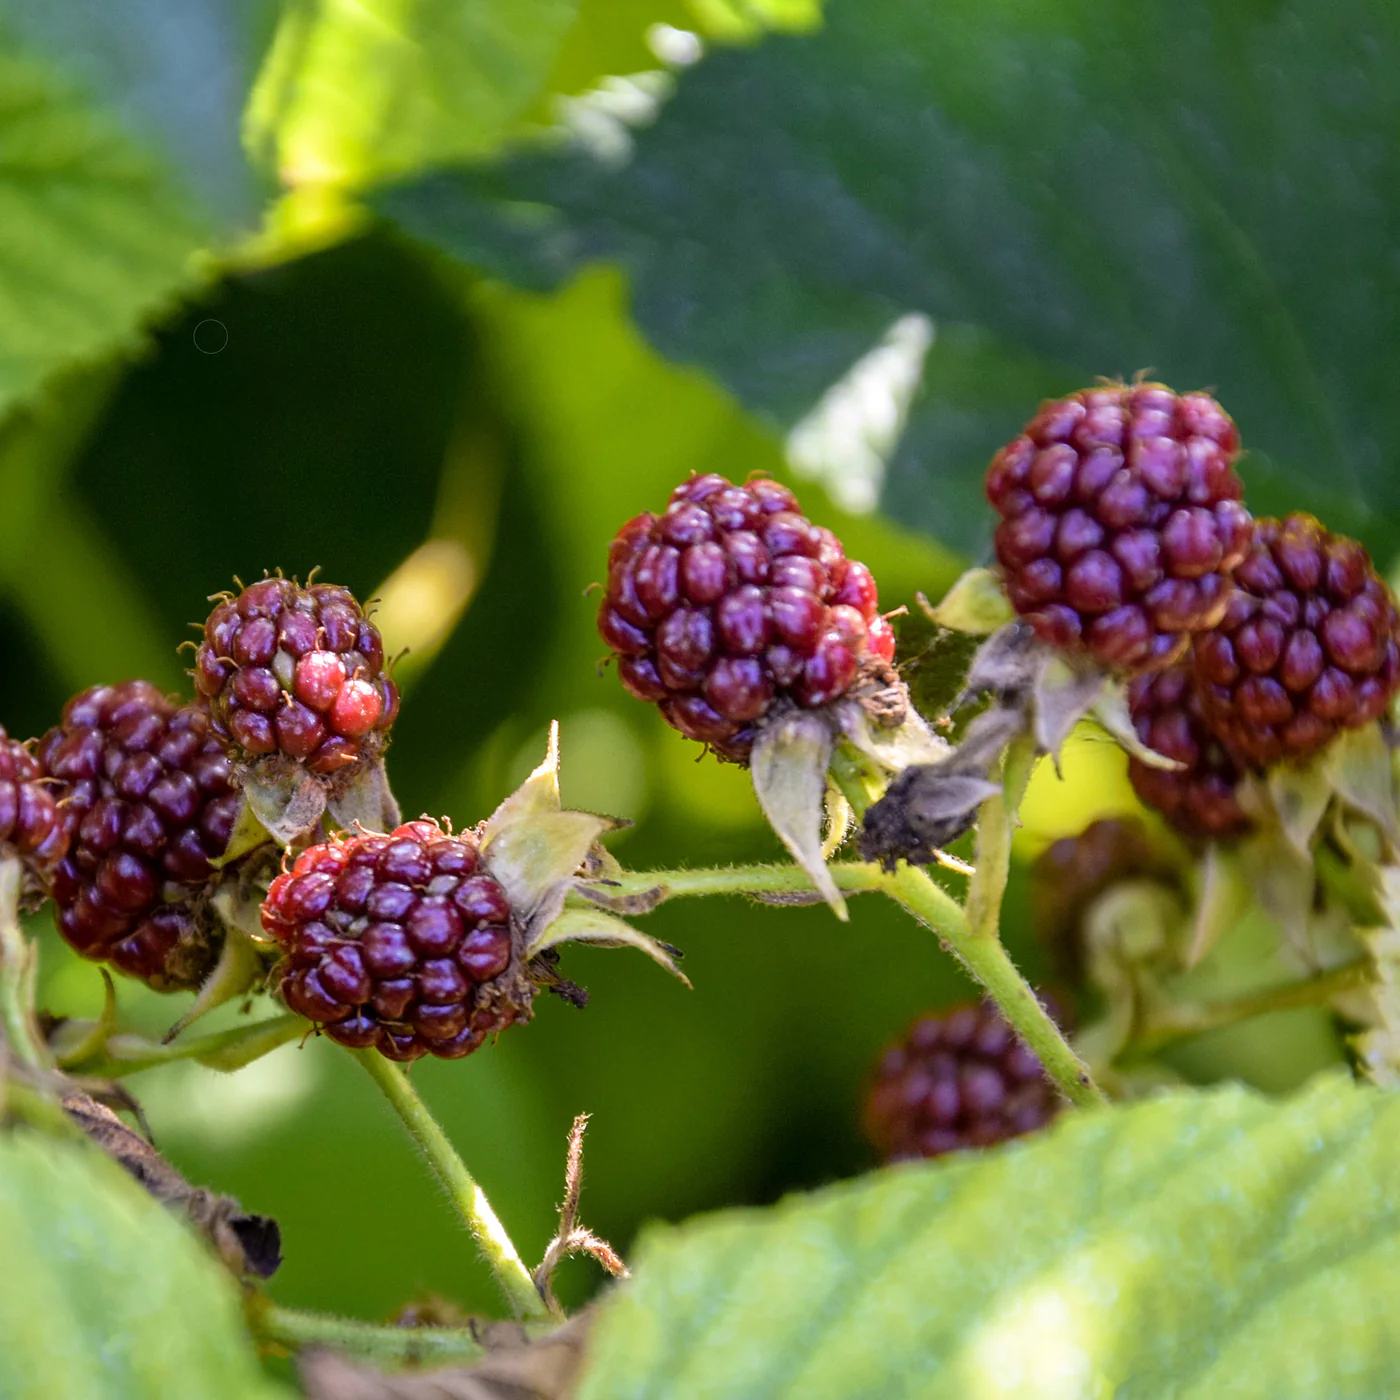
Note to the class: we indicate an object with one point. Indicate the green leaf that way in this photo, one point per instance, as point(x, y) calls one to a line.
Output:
point(1202, 188)
point(1195, 1246)
point(105, 1293)
point(350, 93)
point(96, 235)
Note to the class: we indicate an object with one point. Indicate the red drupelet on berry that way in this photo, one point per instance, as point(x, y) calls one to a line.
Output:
point(1200, 800)
point(1309, 644)
point(958, 1079)
point(296, 670)
point(731, 600)
point(1121, 522)
point(31, 825)
point(400, 942)
point(148, 802)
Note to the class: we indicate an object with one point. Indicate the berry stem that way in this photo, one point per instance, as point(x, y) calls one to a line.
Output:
point(372, 1341)
point(16, 955)
point(461, 1186)
point(1181, 1023)
point(222, 1050)
point(971, 934)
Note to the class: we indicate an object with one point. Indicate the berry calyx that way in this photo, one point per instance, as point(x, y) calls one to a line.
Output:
point(401, 942)
point(1121, 522)
point(31, 825)
point(1202, 799)
point(731, 600)
point(1309, 644)
point(147, 802)
point(298, 671)
point(958, 1079)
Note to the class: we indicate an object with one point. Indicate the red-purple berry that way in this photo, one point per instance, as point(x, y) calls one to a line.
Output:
point(400, 942)
point(1121, 522)
point(31, 824)
point(733, 599)
point(1202, 799)
point(147, 802)
point(296, 670)
point(1309, 645)
point(958, 1079)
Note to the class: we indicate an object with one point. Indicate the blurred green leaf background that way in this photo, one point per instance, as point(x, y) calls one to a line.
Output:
point(386, 290)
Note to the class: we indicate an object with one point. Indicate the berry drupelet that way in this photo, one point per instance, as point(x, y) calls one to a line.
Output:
point(31, 825)
point(732, 599)
point(147, 801)
point(400, 942)
point(1202, 799)
point(1121, 522)
point(958, 1079)
point(298, 671)
point(1307, 647)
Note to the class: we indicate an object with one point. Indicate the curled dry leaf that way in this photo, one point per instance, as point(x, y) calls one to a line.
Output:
point(250, 1245)
point(515, 1368)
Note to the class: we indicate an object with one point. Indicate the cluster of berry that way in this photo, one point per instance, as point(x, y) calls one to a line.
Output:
point(123, 812)
point(1248, 643)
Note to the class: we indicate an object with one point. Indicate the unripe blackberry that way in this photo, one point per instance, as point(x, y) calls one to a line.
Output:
point(1121, 522)
point(1308, 645)
point(31, 826)
point(732, 599)
point(1202, 799)
point(147, 802)
point(298, 671)
point(401, 942)
point(958, 1079)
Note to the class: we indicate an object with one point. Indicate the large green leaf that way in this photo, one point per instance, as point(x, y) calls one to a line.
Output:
point(99, 227)
point(1200, 1245)
point(351, 92)
point(104, 1294)
point(1207, 188)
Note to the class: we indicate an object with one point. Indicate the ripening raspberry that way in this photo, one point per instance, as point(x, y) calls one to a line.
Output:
point(958, 1079)
point(732, 600)
point(147, 801)
point(1121, 522)
point(1202, 799)
point(1309, 645)
point(31, 825)
point(298, 671)
point(401, 942)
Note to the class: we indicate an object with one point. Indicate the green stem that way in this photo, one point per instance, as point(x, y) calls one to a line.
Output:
point(373, 1341)
point(462, 1189)
point(982, 954)
point(16, 1018)
point(995, 824)
point(223, 1050)
point(1184, 1022)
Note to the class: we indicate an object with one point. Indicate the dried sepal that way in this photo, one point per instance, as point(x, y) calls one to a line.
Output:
point(1359, 768)
point(596, 926)
point(1111, 713)
point(1063, 692)
point(360, 797)
point(1299, 797)
point(239, 969)
point(283, 797)
point(789, 764)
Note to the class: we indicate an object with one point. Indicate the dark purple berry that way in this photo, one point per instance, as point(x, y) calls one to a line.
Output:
point(959, 1079)
point(147, 802)
point(731, 600)
point(397, 942)
point(1121, 522)
point(1309, 645)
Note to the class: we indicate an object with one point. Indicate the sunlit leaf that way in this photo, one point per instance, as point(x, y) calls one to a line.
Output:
point(1196, 1246)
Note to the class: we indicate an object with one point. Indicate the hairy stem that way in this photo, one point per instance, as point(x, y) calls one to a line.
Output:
point(461, 1186)
point(16, 1014)
point(995, 825)
point(228, 1050)
point(371, 1341)
point(1181, 1023)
